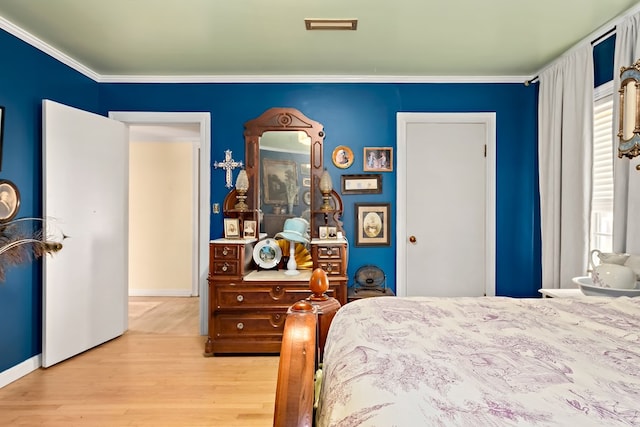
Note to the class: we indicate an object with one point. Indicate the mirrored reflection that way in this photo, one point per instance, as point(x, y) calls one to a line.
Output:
point(285, 178)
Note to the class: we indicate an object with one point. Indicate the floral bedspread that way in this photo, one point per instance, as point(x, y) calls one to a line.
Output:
point(483, 362)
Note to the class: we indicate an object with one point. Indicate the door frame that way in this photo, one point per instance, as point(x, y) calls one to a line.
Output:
point(202, 185)
point(404, 119)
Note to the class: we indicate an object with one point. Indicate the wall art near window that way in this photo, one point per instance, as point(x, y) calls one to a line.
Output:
point(361, 184)
point(373, 224)
point(378, 159)
point(342, 157)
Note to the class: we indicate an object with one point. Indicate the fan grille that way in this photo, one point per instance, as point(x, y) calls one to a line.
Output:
point(370, 277)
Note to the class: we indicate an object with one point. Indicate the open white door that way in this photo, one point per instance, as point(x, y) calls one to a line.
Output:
point(85, 186)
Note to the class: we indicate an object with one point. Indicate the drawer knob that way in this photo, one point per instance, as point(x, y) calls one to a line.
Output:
point(240, 298)
point(329, 252)
point(225, 251)
point(240, 326)
point(225, 267)
point(329, 267)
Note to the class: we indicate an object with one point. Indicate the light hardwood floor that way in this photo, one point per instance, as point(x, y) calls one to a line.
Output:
point(153, 375)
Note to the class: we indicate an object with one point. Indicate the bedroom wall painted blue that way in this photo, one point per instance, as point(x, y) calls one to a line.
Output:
point(360, 115)
point(27, 76)
point(357, 115)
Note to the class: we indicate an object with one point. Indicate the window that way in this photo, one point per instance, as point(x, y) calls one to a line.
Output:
point(602, 173)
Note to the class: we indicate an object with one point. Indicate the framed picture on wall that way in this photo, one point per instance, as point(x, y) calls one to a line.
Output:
point(361, 184)
point(342, 157)
point(373, 224)
point(231, 228)
point(378, 159)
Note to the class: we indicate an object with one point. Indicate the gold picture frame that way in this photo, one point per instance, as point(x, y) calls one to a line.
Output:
point(373, 224)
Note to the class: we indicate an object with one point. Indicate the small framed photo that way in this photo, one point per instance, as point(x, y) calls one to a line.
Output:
point(306, 182)
point(323, 232)
point(332, 232)
point(378, 159)
point(373, 224)
point(361, 184)
point(249, 230)
point(305, 169)
point(342, 156)
point(9, 200)
point(231, 228)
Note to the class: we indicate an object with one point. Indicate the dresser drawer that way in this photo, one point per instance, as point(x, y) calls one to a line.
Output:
point(225, 268)
point(258, 297)
point(329, 252)
point(227, 252)
point(257, 325)
point(333, 268)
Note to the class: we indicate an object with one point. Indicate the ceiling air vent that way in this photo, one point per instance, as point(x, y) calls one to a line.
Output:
point(331, 24)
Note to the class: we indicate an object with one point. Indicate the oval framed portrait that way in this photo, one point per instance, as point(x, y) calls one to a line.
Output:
point(9, 200)
point(342, 156)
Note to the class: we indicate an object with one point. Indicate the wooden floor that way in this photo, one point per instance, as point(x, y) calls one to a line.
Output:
point(153, 375)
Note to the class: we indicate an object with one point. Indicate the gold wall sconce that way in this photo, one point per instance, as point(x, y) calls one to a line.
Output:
point(629, 124)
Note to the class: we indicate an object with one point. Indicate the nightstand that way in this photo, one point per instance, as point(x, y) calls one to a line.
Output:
point(561, 293)
point(352, 295)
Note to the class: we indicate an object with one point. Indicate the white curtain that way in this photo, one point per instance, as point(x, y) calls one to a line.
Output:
point(565, 126)
point(626, 189)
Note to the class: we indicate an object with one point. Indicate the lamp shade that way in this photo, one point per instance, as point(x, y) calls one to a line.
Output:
point(325, 182)
point(242, 182)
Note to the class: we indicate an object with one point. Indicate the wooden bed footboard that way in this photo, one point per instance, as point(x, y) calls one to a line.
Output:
point(305, 333)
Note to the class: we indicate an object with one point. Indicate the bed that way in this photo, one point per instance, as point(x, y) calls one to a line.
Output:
point(489, 361)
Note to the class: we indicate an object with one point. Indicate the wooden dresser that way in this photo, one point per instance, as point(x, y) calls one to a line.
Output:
point(247, 307)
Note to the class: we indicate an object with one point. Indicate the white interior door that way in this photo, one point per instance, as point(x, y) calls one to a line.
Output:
point(445, 224)
point(85, 161)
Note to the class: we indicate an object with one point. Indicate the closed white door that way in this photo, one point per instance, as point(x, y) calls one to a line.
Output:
point(85, 186)
point(445, 204)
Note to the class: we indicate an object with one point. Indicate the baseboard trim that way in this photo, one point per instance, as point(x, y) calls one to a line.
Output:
point(20, 370)
point(160, 293)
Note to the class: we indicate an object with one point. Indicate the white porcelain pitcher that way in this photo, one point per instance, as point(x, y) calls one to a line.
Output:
point(610, 273)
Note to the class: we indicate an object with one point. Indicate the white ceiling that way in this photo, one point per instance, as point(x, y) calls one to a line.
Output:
point(137, 39)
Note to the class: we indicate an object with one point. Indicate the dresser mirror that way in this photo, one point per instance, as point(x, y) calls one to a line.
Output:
point(283, 159)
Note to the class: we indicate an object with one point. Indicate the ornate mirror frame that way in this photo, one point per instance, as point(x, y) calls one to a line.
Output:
point(629, 123)
point(281, 119)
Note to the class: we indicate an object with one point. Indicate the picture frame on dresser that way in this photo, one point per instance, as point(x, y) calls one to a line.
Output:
point(231, 228)
point(249, 229)
point(373, 224)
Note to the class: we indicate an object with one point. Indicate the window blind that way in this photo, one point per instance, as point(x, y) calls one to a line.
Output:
point(602, 197)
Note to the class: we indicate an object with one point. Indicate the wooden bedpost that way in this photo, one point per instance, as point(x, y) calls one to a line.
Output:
point(305, 333)
point(326, 306)
point(294, 392)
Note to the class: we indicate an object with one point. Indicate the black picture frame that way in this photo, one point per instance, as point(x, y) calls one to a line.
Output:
point(373, 224)
point(361, 184)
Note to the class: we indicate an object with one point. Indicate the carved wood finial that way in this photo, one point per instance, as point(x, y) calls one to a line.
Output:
point(319, 284)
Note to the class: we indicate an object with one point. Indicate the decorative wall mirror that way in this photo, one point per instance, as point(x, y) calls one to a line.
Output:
point(284, 163)
point(629, 127)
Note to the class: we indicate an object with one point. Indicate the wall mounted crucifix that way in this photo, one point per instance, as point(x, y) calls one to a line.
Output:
point(228, 164)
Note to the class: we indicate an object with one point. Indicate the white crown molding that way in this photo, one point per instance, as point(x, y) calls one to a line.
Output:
point(312, 79)
point(67, 60)
point(29, 38)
